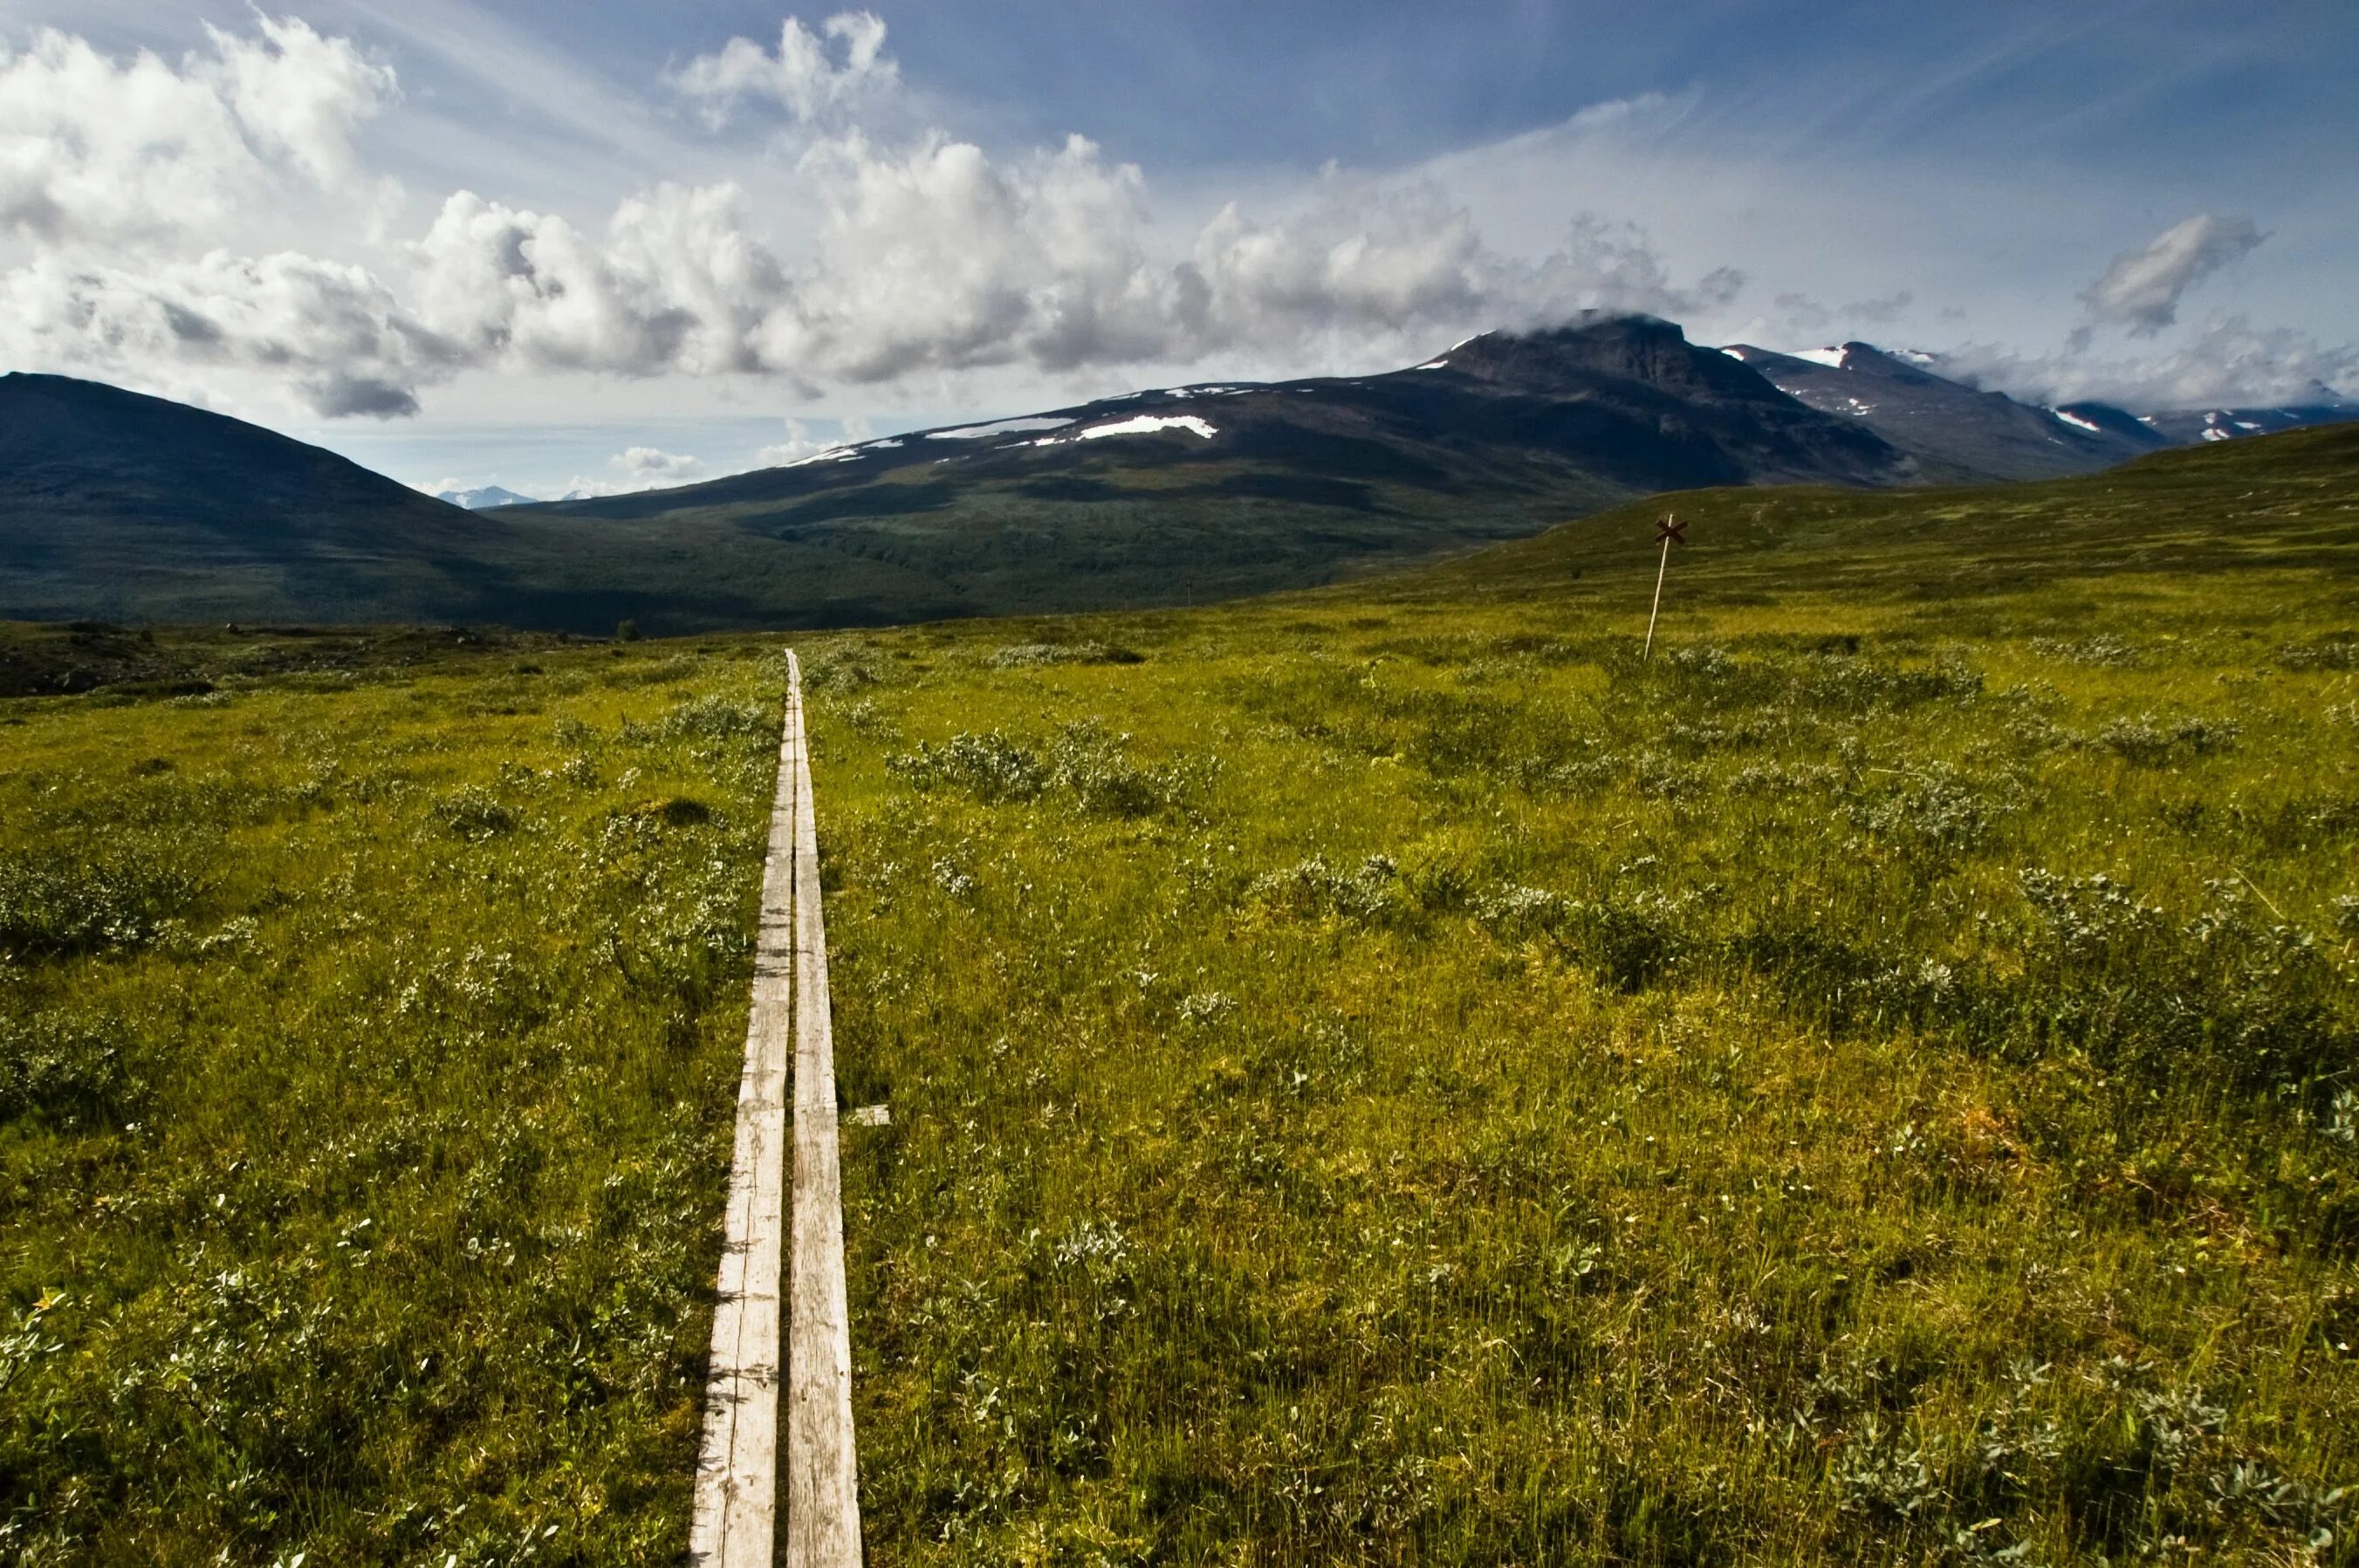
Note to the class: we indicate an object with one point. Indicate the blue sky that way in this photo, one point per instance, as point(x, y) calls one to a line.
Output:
point(604, 245)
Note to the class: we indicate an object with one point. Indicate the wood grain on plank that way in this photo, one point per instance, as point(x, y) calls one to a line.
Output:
point(822, 1474)
point(734, 1523)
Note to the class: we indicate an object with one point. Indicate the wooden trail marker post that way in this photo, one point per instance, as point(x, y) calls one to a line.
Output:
point(757, 1346)
point(1671, 531)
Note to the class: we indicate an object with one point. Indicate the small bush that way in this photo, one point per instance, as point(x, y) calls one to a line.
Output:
point(841, 670)
point(989, 766)
point(55, 903)
point(1311, 888)
point(475, 813)
point(1629, 940)
point(1033, 655)
point(1083, 759)
point(2147, 742)
point(2105, 652)
point(715, 719)
point(1516, 913)
point(2338, 652)
point(1093, 765)
point(73, 1071)
point(1711, 677)
point(2220, 996)
point(673, 811)
point(1932, 813)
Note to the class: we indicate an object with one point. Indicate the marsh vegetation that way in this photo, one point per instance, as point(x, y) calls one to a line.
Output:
point(1379, 1075)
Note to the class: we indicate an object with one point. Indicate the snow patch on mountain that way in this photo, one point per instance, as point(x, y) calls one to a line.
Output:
point(996, 428)
point(1138, 424)
point(829, 455)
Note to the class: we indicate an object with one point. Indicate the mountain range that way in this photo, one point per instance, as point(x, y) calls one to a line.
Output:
point(127, 507)
point(1960, 431)
point(2187, 426)
point(1956, 430)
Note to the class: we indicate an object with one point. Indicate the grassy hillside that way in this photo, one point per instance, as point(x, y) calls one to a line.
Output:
point(2288, 503)
point(1376, 1075)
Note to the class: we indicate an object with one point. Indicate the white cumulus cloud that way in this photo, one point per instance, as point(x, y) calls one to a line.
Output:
point(674, 283)
point(1608, 266)
point(1378, 262)
point(801, 443)
point(936, 258)
point(638, 467)
point(660, 467)
point(331, 331)
point(928, 255)
point(2230, 362)
point(2141, 289)
point(98, 148)
point(804, 76)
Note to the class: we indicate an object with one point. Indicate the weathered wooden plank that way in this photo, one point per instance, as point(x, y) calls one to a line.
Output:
point(822, 1475)
point(734, 1523)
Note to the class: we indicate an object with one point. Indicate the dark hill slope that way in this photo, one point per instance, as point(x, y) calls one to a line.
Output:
point(83, 448)
point(118, 505)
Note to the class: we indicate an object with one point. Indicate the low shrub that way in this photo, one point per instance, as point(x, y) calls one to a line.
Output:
point(76, 1072)
point(1034, 656)
point(55, 901)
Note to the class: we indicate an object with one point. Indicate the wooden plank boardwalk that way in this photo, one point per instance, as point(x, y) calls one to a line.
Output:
point(737, 1495)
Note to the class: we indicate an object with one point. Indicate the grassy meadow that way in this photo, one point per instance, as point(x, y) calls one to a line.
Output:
point(1376, 1075)
point(369, 1035)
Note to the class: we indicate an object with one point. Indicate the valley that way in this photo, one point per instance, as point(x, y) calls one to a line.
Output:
point(119, 508)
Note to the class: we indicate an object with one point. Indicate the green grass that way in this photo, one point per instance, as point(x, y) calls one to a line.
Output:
point(367, 1050)
point(1381, 1076)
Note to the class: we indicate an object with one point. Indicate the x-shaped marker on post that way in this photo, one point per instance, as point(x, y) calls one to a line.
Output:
point(1671, 531)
